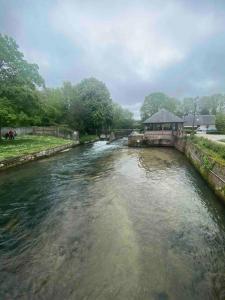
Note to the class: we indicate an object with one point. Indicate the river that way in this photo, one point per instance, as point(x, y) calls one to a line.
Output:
point(110, 222)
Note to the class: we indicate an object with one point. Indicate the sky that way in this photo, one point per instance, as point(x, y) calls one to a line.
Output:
point(136, 47)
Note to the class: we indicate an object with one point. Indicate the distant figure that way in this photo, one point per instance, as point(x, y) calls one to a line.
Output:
point(6, 135)
point(11, 134)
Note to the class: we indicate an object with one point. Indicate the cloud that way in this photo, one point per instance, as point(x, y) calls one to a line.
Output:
point(135, 47)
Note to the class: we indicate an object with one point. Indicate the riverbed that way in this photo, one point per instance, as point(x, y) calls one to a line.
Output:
point(110, 222)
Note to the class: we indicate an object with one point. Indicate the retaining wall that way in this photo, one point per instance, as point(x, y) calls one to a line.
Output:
point(212, 171)
point(8, 163)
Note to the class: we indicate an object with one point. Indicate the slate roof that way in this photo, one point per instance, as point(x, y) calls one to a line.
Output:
point(199, 120)
point(163, 116)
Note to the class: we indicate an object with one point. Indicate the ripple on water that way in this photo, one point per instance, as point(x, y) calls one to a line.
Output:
point(107, 222)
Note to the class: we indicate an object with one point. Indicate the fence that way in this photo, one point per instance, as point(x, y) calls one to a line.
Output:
point(52, 131)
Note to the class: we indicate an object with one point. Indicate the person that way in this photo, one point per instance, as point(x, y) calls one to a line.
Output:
point(11, 134)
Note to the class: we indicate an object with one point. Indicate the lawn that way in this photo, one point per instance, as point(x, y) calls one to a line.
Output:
point(28, 144)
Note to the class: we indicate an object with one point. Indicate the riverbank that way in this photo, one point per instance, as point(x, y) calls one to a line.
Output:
point(208, 158)
point(28, 148)
point(88, 138)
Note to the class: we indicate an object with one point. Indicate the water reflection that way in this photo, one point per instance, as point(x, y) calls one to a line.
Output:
point(108, 222)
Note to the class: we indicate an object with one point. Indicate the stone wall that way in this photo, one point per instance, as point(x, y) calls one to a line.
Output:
point(211, 170)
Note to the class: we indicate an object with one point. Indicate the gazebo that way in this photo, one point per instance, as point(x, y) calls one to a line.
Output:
point(162, 128)
point(163, 120)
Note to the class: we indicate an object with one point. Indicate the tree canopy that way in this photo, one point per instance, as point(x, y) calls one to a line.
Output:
point(24, 99)
point(155, 101)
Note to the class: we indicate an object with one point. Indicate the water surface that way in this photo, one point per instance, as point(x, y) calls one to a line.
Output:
point(110, 222)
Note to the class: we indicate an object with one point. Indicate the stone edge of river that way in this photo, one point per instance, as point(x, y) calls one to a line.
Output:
point(19, 160)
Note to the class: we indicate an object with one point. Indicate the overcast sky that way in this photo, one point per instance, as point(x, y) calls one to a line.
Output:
point(135, 47)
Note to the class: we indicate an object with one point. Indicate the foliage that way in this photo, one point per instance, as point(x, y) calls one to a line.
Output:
point(211, 104)
point(88, 138)
point(213, 149)
point(122, 118)
point(28, 144)
point(155, 101)
point(86, 107)
point(91, 106)
point(14, 69)
point(220, 122)
point(19, 103)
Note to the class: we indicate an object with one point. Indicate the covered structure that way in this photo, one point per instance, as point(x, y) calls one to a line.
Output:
point(163, 120)
point(162, 128)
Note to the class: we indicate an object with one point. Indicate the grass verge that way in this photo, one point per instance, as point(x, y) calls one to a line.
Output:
point(213, 149)
point(28, 144)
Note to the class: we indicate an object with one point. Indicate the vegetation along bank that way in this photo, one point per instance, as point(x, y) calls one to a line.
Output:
point(208, 158)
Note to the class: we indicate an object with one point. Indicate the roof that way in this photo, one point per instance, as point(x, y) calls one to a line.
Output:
point(199, 120)
point(163, 116)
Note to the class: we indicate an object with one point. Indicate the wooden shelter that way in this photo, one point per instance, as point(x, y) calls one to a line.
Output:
point(163, 120)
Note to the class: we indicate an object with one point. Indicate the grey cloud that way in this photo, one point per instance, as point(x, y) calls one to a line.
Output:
point(135, 47)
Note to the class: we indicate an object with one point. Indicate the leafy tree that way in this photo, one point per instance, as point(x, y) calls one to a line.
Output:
point(155, 101)
point(188, 106)
point(19, 103)
point(14, 69)
point(122, 118)
point(91, 106)
point(211, 104)
point(220, 122)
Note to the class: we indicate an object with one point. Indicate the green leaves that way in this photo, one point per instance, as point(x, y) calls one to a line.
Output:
point(220, 122)
point(14, 69)
point(155, 101)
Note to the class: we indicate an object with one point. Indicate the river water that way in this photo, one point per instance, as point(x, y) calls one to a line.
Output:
point(110, 222)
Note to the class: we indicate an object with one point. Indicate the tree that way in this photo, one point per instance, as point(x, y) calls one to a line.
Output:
point(211, 104)
point(14, 69)
point(19, 103)
point(188, 106)
point(91, 106)
point(122, 118)
point(155, 101)
point(220, 122)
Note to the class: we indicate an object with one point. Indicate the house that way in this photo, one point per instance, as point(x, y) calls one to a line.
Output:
point(201, 123)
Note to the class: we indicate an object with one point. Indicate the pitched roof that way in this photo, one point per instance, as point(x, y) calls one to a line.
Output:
point(199, 120)
point(163, 116)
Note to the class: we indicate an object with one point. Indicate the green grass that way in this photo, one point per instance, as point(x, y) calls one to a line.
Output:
point(213, 149)
point(28, 144)
point(88, 138)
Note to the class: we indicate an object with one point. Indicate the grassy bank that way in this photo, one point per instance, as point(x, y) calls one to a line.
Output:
point(28, 145)
point(213, 149)
point(88, 138)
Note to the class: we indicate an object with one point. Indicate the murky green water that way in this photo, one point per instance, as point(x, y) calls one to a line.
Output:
point(108, 222)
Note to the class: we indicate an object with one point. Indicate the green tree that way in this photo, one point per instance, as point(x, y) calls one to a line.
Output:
point(91, 106)
point(122, 118)
point(155, 101)
point(19, 103)
point(14, 69)
point(211, 104)
point(188, 106)
point(220, 122)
